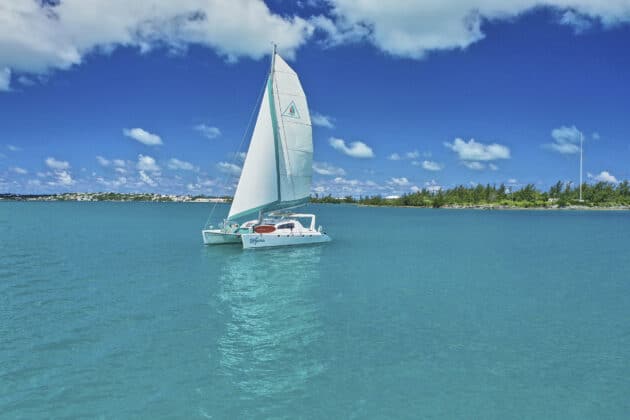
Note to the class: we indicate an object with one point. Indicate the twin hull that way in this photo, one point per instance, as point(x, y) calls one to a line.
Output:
point(263, 240)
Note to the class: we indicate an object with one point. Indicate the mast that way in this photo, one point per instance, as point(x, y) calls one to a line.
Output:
point(273, 58)
point(581, 142)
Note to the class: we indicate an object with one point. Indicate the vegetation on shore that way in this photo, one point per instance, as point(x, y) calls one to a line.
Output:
point(560, 195)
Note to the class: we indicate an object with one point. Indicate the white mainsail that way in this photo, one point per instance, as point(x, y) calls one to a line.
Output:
point(277, 170)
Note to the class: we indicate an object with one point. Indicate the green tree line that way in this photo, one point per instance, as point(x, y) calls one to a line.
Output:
point(601, 194)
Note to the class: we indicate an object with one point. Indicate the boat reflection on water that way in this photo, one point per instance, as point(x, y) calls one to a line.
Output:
point(273, 331)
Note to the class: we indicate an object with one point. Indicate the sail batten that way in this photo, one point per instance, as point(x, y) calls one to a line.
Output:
point(277, 170)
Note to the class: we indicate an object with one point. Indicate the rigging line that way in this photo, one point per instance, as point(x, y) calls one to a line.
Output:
point(235, 157)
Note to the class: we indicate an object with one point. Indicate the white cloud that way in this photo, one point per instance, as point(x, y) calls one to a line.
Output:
point(432, 166)
point(143, 136)
point(5, 78)
point(512, 181)
point(493, 167)
point(118, 162)
point(146, 178)
point(102, 161)
point(39, 36)
point(324, 168)
point(177, 164)
point(357, 149)
point(321, 120)
point(400, 182)
point(432, 186)
point(18, 170)
point(604, 176)
point(578, 21)
point(229, 168)
point(413, 28)
point(473, 150)
point(202, 184)
point(208, 131)
point(474, 165)
point(147, 163)
point(566, 140)
point(120, 170)
point(596, 136)
point(350, 182)
point(63, 178)
point(412, 155)
point(114, 183)
point(55, 164)
point(13, 148)
point(26, 81)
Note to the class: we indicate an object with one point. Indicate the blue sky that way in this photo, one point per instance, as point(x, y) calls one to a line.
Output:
point(157, 97)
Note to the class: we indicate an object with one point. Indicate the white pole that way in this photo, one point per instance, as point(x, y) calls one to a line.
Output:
point(581, 141)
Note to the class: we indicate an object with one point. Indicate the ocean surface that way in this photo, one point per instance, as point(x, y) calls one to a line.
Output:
point(117, 310)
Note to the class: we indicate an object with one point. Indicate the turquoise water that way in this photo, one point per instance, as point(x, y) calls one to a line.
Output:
point(116, 310)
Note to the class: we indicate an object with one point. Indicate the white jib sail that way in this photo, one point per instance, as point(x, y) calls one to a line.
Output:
point(278, 167)
point(258, 185)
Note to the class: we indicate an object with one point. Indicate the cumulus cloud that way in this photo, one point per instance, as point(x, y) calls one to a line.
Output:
point(565, 140)
point(147, 163)
point(208, 131)
point(475, 151)
point(356, 149)
point(411, 29)
point(55, 164)
point(322, 120)
point(324, 168)
point(146, 178)
point(604, 176)
point(143, 136)
point(412, 155)
point(400, 182)
point(102, 161)
point(5, 79)
point(64, 178)
point(429, 165)
point(18, 170)
point(177, 164)
point(229, 168)
point(39, 36)
point(578, 21)
point(432, 186)
point(474, 165)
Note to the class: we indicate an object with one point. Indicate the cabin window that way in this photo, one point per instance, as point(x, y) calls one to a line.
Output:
point(286, 226)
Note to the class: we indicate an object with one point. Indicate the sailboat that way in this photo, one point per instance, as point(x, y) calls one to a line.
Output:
point(276, 174)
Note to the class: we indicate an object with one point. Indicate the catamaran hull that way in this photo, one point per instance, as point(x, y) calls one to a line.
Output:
point(267, 240)
point(218, 237)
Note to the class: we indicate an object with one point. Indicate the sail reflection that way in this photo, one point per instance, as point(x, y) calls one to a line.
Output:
point(273, 330)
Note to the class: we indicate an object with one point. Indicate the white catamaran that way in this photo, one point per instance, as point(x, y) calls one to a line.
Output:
point(277, 172)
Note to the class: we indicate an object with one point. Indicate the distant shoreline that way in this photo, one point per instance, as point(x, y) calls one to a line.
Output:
point(502, 208)
point(171, 198)
point(115, 197)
